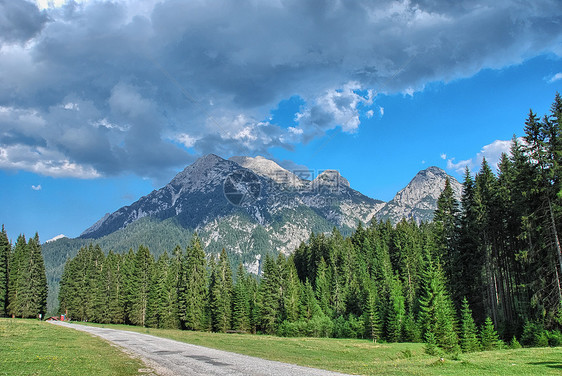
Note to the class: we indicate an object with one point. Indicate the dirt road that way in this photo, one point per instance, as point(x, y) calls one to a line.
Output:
point(169, 357)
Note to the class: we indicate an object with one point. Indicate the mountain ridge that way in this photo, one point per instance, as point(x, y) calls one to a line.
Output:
point(285, 211)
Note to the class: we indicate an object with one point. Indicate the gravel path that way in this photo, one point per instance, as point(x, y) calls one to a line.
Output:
point(169, 357)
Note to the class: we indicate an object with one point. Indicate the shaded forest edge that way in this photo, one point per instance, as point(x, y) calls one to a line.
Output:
point(484, 274)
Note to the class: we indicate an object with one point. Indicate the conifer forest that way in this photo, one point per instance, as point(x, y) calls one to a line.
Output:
point(485, 273)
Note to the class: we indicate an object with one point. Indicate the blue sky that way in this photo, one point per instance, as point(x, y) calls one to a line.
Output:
point(100, 103)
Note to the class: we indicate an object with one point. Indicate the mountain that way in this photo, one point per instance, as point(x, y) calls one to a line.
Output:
point(418, 200)
point(249, 206)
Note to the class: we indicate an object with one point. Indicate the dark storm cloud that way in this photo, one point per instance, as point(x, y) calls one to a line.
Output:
point(19, 21)
point(108, 87)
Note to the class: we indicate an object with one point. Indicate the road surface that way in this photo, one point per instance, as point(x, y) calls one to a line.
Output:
point(168, 357)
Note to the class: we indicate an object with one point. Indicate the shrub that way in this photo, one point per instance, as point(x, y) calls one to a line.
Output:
point(534, 335)
point(514, 344)
point(554, 338)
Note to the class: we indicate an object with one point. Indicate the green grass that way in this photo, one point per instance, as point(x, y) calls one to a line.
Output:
point(31, 347)
point(366, 357)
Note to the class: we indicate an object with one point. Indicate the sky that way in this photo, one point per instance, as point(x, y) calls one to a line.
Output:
point(102, 102)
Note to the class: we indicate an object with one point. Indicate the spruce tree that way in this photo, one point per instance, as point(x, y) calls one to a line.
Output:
point(113, 290)
point(323, 287)
point(156, 306)
point(292, 290)
point(240, 302)
point(5, 250)
point(436, 308)
point(488, 335)
point(269, 297)
point(192, 288)
point(372, 320)
point(396, 311)
point(19, 274)
point(468, 333)
point(220, 294)
point(143, 266)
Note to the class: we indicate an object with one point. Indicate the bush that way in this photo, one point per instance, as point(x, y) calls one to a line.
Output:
point(534, 335)
point(317, 326)
point(554, 338)
point(514, 344)
point(353, 327)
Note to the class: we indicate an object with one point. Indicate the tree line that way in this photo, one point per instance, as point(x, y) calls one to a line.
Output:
point(23, 283)
point(487, 267)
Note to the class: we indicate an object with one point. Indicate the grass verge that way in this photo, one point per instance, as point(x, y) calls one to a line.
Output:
point(368, 358)
point(31, 347)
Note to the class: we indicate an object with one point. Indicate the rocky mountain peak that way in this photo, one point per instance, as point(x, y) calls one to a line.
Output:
point(268, 168)
point(419, 198)
point(427, 184)
point(331, 178)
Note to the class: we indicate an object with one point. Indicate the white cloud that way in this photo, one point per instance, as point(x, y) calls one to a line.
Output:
point(492, 152)
point(195, 60)
point(43, 161)
point(381, 110)
point(556, 77)
point(443, 156)
point(336, 107)
point(71, 106)
point(36, 187)
point(186, 140)
point(460, 166)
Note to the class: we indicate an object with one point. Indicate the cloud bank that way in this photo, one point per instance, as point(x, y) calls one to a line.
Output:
point(101, 88)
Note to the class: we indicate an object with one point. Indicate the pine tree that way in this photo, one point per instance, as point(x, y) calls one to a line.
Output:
point(323, 287)
point(468, 334)
point(436, 313)
point(127, 273)
point(113, 290)
point(373, 325)
point(240, 302)
point(5, 249)
point(292, 290)
point(141, 285)
point(488, 335)
point(156, 306)
point(192, 289)
point(396, 311)
point(470, 265)
point(269, 297)
point(19, 274)
point(309, 304)
point(220, 294)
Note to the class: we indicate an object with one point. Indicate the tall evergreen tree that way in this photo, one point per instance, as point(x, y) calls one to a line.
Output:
point(241, 302)
point(436, 315)
point(220, 294)
point(5, 249)
point(19, 274)
point(192, 290)
point(143, 267)
point(269, 296)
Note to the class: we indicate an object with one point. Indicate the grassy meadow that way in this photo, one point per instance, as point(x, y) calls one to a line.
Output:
point(31, 347)
point(368, 358)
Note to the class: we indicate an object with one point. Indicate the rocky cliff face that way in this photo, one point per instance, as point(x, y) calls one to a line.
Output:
point(418, 200)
